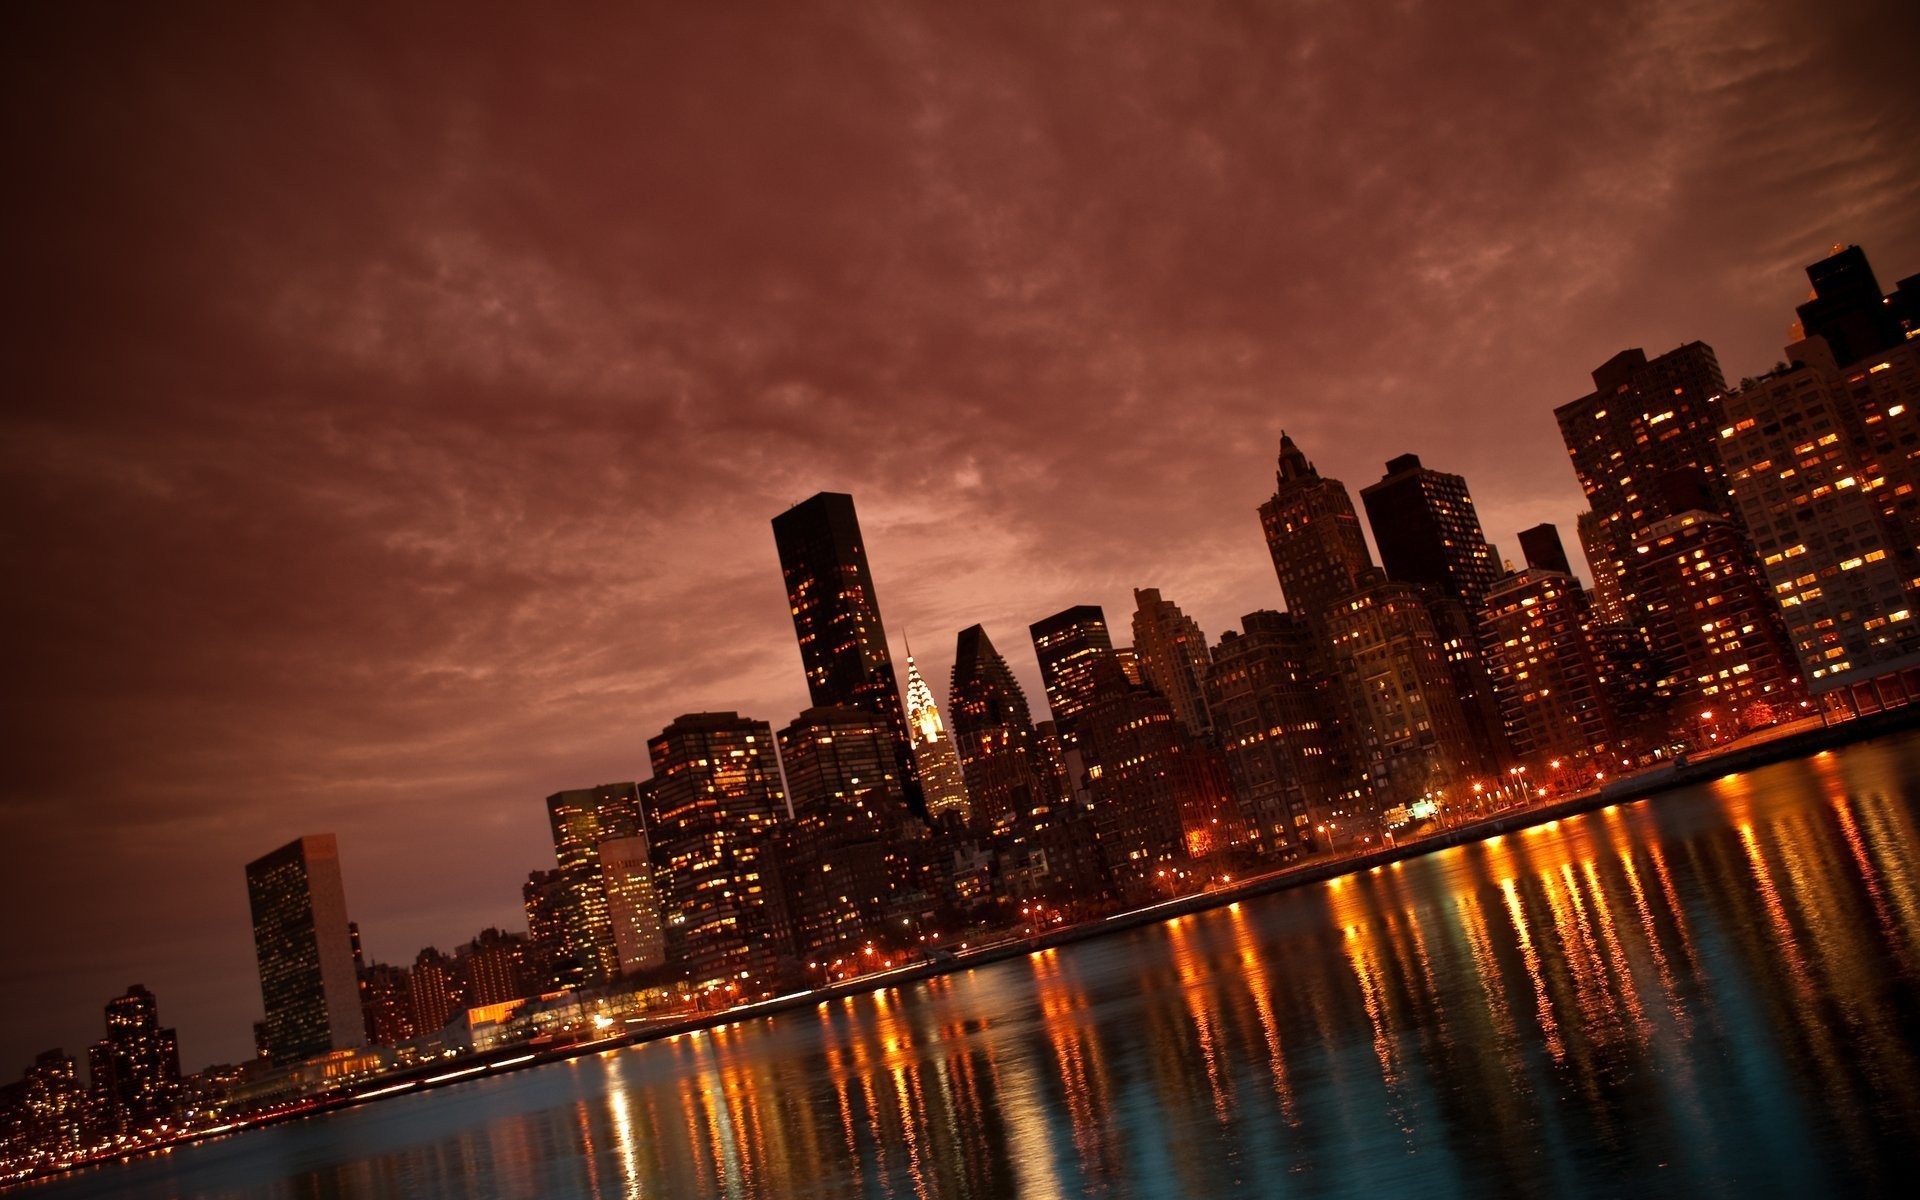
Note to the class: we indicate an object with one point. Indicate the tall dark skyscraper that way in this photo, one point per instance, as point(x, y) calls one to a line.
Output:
point(1428, 532)
point(843, 644)
point(1068, 643)
point(136, 1068)
point(1173, 656)
point(300, 939)
point(1541, 549)
point(1319, 552)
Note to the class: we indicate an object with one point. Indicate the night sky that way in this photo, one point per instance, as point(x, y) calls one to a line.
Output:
point(395, 405)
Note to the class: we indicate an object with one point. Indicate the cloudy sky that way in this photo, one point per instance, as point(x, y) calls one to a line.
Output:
point(395, 403)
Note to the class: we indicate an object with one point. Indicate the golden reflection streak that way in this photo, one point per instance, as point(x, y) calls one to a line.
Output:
point(1614, 950)
point(1195, 987)
point(585, 1121)
point(1254, 972)
point(1806, 1007)
point(1530, 957)
point(623, 1139)
point(1690, 957)
point(1669, 990)
point(1077, 1053)
point(1890, 832)
point(1857, 848)
point(1357, 941)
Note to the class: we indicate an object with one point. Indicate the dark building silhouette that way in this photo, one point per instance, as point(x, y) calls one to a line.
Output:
point(711, 815)
point(1541, 549)
point(1319, 552)
point(1068, 643)
point(992, 733)
point(552, 962)
point(304, 951)
point(1550, 675)
point(836, 616)
point(1428, 532)
point(386, 1002)
point(1848, 310)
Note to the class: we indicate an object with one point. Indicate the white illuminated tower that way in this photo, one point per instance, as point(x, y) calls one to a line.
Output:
point(933, 753)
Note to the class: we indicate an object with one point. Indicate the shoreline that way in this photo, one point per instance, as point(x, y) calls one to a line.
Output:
point(507, 1059)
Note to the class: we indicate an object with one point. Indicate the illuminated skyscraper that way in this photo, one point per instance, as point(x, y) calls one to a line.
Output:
point(836, 616)
point(1067, 644)
point(846, 878)
point(1173, 657)
point(1548, 673)
point(711, 816)
point(300, 940)
point(992, 732)
point(580, 820)
point(1319, 552)
point(940, 777)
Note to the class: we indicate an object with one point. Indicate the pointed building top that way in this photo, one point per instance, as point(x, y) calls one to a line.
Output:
point(1293, 464)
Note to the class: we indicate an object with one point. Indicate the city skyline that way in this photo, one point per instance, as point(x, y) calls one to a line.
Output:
point(290, 610)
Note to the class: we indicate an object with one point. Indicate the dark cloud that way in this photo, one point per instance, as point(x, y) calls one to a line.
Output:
point(396, 401)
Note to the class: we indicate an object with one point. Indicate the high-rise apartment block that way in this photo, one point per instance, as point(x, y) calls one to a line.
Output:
point(1173, 657)
point(1555, 699)
point(305, 955)
point(710, 817)
point(1646, 420)
point(836, 616)
point(135, 1069)
point(1717, 637)
point(1272, 710)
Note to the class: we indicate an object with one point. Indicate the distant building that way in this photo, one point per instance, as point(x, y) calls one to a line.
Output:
point(140, 1062)
point(634, 912)
point(1550, 676)
point(1173, 657)
point(580, 820)
point(435, 991)
point(1068, 643)
point(941, 780)
point(305, 956)
point(992, 733)
point(1410, 735)
point(551, 960)
point(1313, 534)
point(490, 968)
point(386, 1003)
point(711, 817)
point(845, 874)
point(1271, 702)
point(1428, 532)
point(836, 616)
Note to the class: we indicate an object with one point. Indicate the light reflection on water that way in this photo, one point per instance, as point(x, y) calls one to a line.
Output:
point(1710, 993)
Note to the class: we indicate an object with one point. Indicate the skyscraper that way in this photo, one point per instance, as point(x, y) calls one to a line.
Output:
point(933, 756)
point(1549, 676)
point(711, 816)
point(1319, 552)
point(1428, 532)
point(845, 877)
point(1173, 657)
point(836, 616)
point(1847, 310)
point(305, 955)
point(1067, 644)
point(992, 732)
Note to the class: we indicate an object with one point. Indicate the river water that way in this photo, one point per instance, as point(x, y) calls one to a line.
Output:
point(1712, 992)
